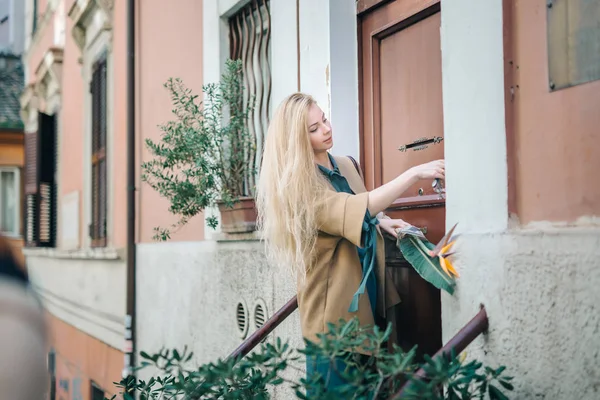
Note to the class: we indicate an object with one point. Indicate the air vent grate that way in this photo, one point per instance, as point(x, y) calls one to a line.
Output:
point(241, 316)
point(260, 313)
point(259, 316)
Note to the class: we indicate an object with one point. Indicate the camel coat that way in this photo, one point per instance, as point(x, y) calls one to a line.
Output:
point(324, 295)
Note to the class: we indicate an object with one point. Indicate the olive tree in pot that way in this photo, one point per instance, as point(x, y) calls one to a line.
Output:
point(205, 155)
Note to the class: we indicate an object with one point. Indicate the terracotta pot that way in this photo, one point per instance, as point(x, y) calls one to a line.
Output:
point(241, 218)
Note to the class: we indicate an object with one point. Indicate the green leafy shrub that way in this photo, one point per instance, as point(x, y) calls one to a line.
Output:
point(205, 154)
point(379, 378)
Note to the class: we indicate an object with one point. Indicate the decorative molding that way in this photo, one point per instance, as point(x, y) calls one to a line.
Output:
point(29, 106)
point(108, 253)
point(44, 88)
point(82, 12)
point(49, 74)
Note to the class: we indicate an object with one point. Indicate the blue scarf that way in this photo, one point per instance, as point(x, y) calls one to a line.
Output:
point(367, 253)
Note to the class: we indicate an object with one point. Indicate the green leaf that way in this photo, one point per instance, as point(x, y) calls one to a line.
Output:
point(495, 393)
point(429, 268)
point(507, 385)
point(500, 370)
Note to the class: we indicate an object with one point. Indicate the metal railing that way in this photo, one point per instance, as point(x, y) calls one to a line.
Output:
point(475, 327)
point(251, 342)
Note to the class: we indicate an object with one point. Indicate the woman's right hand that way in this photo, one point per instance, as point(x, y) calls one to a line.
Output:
point(431, 170)
point(380, 198)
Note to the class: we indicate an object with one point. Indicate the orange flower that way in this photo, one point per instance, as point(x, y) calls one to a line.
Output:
point(442, 251)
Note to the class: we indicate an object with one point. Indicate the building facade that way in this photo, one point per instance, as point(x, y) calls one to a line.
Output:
point(12, 76)
point(11, 149)
point(477, 83)
point(486, 85)
point(75, 123)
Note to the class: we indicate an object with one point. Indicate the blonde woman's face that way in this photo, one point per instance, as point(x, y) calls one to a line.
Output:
point(319, 129)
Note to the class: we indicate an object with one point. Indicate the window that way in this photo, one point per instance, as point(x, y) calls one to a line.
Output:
point(40, 184)
point(9, 200)
point(250, 41)
point(99, 122)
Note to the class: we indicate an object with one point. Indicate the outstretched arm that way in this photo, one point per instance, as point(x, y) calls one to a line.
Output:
point(342, 214)
point(382, 197)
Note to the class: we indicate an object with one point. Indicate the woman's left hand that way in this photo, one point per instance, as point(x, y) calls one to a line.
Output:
point(390, 225)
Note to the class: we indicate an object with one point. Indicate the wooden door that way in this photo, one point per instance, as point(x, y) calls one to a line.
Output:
point(401, 106)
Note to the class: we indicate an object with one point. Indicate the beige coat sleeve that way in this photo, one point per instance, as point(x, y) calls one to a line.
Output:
point(342, 214)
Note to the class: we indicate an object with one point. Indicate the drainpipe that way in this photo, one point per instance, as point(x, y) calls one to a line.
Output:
point(130, 320)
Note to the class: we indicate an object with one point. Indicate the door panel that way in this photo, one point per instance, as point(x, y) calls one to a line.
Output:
point(401, 103)
point(411, 99)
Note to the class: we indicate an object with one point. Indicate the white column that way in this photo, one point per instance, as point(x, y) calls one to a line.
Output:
point(474, 125)
point(314, 51)
point(284, 51)
point(214, 53)
point(329, 66)
point(343, 73)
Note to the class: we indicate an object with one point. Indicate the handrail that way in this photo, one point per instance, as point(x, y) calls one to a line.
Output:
point(251, 342)
point(475, 327)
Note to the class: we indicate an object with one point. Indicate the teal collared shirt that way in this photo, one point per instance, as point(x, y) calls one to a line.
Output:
point(366, 254)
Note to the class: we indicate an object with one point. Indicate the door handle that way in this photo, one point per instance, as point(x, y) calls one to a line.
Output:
point(421, 143)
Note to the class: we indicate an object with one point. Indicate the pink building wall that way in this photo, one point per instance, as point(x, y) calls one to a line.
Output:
point(44, 41)
point(119, 111)
point(553, 137)
point(169, 45)
point(72, 120)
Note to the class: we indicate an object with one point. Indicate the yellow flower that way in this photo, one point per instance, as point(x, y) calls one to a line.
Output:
point(442, 251)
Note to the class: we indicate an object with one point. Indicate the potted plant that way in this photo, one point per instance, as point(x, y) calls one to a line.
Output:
point(205, 155)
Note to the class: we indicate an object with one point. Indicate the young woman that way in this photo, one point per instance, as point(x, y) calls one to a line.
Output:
point(318, 218)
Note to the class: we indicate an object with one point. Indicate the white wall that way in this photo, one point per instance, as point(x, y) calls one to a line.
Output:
point(191, 289)
point(83, 290)
point(344, 77)
point(539, 286)
point(474, 128)
point(329, 66)
point(284, 64)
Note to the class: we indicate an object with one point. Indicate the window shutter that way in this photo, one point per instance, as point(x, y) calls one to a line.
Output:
point(99, 177)
point(47, 181)
point(40, 185)
point(31, 188)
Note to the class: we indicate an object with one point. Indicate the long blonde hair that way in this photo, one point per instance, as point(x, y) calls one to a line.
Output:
point(288, 188)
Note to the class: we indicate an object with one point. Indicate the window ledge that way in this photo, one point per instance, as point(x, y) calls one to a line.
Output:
point(236, 237)
point(107, 253)
point(11, 236)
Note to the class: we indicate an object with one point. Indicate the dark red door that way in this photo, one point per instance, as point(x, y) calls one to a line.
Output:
point(401, 107)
